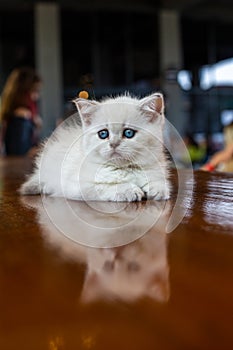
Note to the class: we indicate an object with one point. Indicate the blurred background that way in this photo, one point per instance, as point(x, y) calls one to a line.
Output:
point(183, 48)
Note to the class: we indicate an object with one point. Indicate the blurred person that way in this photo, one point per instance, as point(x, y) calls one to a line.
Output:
point(218, 160)
point(20, 122)
point(223, 159)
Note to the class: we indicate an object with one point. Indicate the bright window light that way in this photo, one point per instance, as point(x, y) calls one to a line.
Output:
point(219, 74)
point(227, 116)
point(184, 79)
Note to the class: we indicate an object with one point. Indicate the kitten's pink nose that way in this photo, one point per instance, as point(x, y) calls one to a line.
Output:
point(114, 144)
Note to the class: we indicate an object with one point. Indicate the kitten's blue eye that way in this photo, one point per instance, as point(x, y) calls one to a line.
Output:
point(103, 134)
point(129, 133)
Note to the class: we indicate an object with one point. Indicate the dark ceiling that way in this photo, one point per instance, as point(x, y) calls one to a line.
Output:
point(219, 10)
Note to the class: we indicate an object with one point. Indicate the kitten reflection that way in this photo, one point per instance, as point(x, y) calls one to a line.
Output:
point(128, 273)
point(135, 270)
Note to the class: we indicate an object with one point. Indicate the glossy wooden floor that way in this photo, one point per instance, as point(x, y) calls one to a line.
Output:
point(162, 291)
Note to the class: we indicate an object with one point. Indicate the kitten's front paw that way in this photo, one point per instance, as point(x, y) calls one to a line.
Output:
point(129, 194)
point(30, 187)
point(157, 192)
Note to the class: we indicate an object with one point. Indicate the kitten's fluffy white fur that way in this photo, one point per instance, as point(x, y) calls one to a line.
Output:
point(116, 155)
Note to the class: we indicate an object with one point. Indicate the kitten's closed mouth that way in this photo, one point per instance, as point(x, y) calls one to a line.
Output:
point(115, 154)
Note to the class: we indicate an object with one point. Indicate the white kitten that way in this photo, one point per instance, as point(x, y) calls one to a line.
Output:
point(117, 154)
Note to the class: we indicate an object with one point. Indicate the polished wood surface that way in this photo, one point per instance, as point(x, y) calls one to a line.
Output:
point(161, 291)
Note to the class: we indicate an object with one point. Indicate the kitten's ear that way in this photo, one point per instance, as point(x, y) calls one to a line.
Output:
point(153, 106)
point(86, 109)
point(159, 288)
point(91, 288)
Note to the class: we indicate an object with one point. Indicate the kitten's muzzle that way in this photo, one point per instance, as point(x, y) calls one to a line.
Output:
point(115, 154)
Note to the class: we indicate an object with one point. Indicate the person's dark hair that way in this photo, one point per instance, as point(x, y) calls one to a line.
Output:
point(15, 92)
